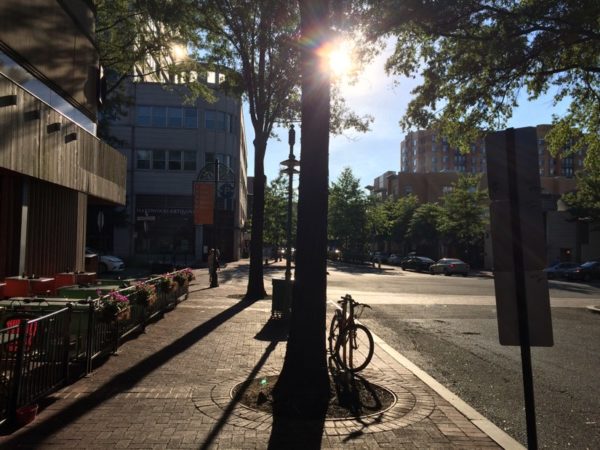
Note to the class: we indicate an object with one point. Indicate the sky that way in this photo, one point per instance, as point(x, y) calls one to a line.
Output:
point(377, 151)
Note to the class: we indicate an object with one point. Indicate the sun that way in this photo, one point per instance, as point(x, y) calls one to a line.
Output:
point(337, 58)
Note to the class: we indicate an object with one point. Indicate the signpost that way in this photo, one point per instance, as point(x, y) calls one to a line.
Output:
point(518, 244)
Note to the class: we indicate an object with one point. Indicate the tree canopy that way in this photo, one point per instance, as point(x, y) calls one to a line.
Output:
point(463, 215)
point(347, 216)
point(477, 56)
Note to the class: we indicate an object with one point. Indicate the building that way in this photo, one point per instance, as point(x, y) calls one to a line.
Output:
point(429, 167)
point(168, 142)
point(425, 152)
point(52, 166)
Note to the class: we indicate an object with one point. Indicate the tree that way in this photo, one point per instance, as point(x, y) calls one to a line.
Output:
point(348, 213)
point(584, 203)
point(303, 385)
point(477, 56)
point(462, 218)
point(423, 228)
point(379, 219)
point(402, 212)
point(276, 200)
point(259, 41)
point(137, 39)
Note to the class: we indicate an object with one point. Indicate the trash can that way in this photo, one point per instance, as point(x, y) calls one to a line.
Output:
point(281, 305)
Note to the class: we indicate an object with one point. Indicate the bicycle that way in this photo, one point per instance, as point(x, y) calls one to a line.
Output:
point(350, 343)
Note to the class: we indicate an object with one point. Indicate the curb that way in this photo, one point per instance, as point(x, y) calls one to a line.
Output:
point(594, 309)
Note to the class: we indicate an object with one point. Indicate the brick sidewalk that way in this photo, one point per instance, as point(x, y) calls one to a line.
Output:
point(170, 388)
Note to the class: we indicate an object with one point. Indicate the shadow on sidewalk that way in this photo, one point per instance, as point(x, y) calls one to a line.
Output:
point(238, 396)
point(119, 383)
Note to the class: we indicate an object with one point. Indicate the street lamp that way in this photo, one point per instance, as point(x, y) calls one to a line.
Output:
point(290, 165)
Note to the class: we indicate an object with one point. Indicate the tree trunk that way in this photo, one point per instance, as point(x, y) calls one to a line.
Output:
point(256, 285)
point(304, 380)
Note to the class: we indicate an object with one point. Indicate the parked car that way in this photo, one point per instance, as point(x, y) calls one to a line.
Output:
point(395, 259)
point(558, 270)
point(418, 263)
point(380, 257)
point(450, 266)
point(587, 271)
point(107, 263)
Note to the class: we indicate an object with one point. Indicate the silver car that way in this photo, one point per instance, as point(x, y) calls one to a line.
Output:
point(450, 266)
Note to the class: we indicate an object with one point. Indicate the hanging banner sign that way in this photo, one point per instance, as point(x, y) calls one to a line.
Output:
point(204, 203)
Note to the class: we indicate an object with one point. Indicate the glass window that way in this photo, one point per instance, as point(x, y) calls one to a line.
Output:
point(209, 119)
point(144, 116)
point(142, 158)
point(211, 77)
point(174, 160)
point(159, 116)
point(228, 123)
point(220, 121)
point(174, 117)
point(189, 160)
point(190, 118)
point(159, 159)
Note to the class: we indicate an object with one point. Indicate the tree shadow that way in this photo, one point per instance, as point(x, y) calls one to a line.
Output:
point(275, 330)
point(238, 396)
point(121, 382)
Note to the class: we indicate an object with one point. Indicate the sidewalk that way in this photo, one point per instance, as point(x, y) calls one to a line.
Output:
point(170, 388)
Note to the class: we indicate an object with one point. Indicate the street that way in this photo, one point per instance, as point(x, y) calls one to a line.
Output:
point(447, 326)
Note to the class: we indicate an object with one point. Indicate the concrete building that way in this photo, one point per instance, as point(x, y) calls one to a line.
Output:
point(52, 166)
point(168, 142)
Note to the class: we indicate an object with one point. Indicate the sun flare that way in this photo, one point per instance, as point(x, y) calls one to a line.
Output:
point(338, 58)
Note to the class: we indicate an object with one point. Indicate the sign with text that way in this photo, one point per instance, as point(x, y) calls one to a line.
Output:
point(518, 237)
point(204, 203)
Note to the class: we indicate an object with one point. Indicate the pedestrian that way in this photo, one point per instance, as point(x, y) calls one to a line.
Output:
point(213, 265)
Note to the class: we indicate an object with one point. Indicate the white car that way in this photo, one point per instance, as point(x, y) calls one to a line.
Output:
point(107, 263)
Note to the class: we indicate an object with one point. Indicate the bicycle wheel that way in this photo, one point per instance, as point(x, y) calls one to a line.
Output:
point(334, 331)
point(357, 343)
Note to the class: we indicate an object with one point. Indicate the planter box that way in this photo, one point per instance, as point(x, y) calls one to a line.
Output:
point(42, 286)
point(86, 278)
point(17, 287)
point(64, 279)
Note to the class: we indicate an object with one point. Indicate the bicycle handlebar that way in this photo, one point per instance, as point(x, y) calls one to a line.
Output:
point(348, 298)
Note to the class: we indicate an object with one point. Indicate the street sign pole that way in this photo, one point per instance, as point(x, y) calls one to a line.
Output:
point(517, 251)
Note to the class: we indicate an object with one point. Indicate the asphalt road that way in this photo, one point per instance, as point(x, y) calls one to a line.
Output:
point(447, 326)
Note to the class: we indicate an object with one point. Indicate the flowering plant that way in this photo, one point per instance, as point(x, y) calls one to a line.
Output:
point(165, 284)
point(145, 294)
point(113, 304)
point(181, 278)
point(189, 274)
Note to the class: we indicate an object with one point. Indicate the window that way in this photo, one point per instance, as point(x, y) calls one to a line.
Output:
point(174, 160)
point(159, 159)
point(144, 116)
point(189, 160)
point(210, 119)
point(223, 159)
point(159, 116)
point(174, 117)
point(447, 189)
point(190, 118)
point(142, 158)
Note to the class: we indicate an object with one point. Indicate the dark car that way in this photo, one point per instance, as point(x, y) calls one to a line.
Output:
point(418, 263)
point(558, 270)
point(586, 272)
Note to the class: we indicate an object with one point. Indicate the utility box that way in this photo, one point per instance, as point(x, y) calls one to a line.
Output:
point(281, 306)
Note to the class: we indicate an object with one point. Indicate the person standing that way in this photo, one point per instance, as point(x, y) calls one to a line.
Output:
point(213, 265)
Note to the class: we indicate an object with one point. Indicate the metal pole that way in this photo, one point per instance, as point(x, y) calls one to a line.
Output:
point(214, 280)
point(524, 338)
point(288, 251)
